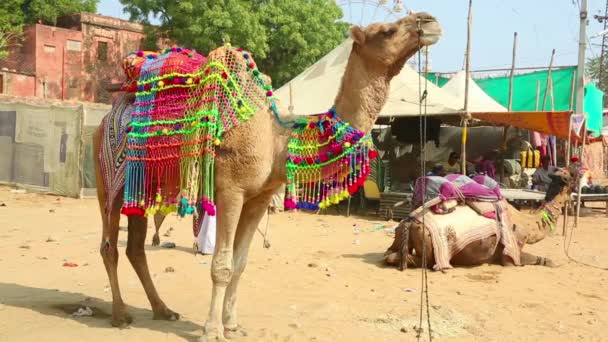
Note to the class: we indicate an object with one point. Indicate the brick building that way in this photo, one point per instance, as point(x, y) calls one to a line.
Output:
point(71, 61)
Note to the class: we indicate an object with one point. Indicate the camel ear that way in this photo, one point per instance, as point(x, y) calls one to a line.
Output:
point(356, 32)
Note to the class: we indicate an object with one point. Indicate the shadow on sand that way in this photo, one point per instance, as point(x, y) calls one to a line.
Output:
point(53, 302)
point(376, 259)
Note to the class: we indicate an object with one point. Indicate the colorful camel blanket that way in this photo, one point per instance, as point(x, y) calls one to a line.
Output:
point(113, 150)
point(452, 233)
point(184, 104)
point(456, 187)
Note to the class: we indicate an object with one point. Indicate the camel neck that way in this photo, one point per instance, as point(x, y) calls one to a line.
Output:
point(363, 93)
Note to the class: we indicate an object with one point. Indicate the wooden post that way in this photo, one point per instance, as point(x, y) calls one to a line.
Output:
point(505, 129)
point(548, 78)
point(569, 147)
point(510, 105)
point(467, 66)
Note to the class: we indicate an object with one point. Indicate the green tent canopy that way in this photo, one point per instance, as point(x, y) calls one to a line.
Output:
point(525, 88)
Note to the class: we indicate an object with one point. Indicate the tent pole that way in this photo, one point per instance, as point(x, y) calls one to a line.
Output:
point(290, 99)
point(467, 69)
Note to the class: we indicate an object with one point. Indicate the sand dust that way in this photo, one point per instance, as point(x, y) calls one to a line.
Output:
point(322, 280)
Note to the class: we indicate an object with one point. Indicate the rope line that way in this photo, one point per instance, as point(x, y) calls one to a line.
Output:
point(422, 96)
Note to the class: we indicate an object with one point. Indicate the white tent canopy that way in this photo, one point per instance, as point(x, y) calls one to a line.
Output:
point(315, 89)
point(479, 101)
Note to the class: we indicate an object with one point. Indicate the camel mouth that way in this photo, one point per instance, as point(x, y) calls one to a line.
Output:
point(431, 33)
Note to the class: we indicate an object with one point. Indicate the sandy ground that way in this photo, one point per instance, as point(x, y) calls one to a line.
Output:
point(347, 294)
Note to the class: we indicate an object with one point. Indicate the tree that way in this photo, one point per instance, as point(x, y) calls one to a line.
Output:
point(14, 14)
point(47, 11)
point(593, 71)
point(285, 36)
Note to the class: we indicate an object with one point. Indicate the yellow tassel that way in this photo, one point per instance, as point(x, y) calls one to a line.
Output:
point(142, 203)
point(189, 81)
point(161, 84)
point(217, 142)
point(165, 131)
point(347, 144)
point(159, 198)
point(322, 205)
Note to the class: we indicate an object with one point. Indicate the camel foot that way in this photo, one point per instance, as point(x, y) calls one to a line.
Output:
point(212, 333)
point(550, 263)
point(166, 315)
point(121, 320)
point(238, 331)
point(155, 240)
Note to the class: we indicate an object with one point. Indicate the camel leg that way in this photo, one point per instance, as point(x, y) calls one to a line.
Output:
point(109, 254)
point(229, 205)
point(530, 259)
point(138, 227)
point(158, 221)
point(416, 241)
point(252, 214)
point(109, 238)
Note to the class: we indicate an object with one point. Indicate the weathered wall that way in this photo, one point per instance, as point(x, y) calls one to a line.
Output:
point(58, 62)
point(17, 84)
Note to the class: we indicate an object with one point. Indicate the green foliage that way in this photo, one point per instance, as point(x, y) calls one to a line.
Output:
point(593, 70)
point(285, 36)
point(47, 11)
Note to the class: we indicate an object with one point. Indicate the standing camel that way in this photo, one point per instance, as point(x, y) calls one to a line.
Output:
point(527, 228)
point(250, 165)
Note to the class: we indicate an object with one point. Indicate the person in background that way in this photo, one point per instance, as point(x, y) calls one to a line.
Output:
point(541, 178)
point(487, 165)
point(437, 170)
point(453, 164)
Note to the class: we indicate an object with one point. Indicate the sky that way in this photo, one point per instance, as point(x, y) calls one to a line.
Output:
point(542, 25)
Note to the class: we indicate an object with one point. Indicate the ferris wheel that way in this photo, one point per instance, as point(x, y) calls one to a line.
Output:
point(364, 12)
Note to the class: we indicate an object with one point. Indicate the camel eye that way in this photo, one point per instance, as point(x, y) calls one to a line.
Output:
point(389, 32)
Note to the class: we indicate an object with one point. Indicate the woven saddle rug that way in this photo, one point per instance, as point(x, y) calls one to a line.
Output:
point(451, 233)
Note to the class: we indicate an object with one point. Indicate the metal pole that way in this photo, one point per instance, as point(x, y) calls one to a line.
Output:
point(582, 45)
point(580, 84)
point(467, 70)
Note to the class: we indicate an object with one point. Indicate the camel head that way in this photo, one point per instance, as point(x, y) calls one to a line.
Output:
point(561, 184)
point(389, 45)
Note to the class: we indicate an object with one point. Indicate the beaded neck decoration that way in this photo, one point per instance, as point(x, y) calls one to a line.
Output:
point(328, 161)
point(184, 104)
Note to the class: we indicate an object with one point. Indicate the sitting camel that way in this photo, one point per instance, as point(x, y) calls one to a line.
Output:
point(410, 236)
point(250, 165)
